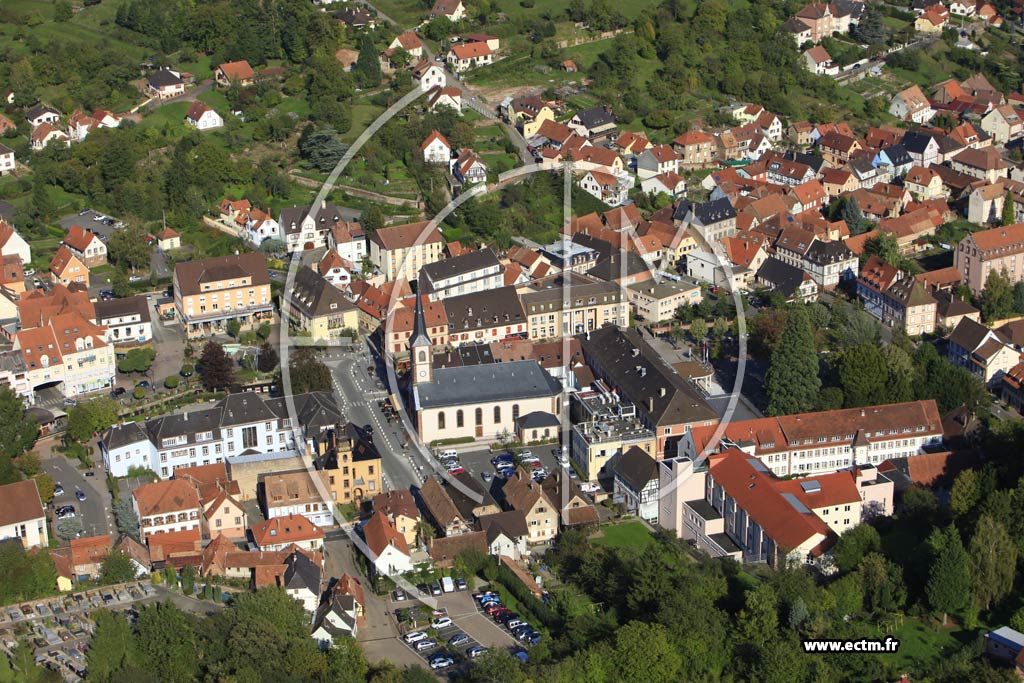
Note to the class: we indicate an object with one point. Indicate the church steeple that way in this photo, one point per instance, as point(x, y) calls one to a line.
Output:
point(420, 346)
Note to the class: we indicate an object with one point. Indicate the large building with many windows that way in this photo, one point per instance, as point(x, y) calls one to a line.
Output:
point(570, 304)
point(815, 443)
point(240, 428)
point(211, 292)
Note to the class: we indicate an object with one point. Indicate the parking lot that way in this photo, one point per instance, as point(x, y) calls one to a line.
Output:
point(470, 631)
point(478, 463)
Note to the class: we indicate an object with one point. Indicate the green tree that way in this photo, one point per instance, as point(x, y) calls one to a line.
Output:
point(111, 646)
point(366, 70)
point(137, 360)
point(234, 327)
point(1009, 216)
point(965, 493)
point(17, 433)
point(216, 368)
point(323, 149)
point(62, 11)
point(117, 567)
point(307, 372)
point(268, 358)
point(128, 248)
point(373, 218)
point(644, 652)
point(167, 643)
point(882, 582)
point(758, 621)
point(792, 381)
point(854, 544)
point(949, 580)
point(91, 417)
point(863, 376)
point(699, 329)
point(997, 297)
point(885, 247)
point(42, 209)
point(125, 518)
point(69, 528)
point(188, 579)
point(993, 561)
point(1018, 298)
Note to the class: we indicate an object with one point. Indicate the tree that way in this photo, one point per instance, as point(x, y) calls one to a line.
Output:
point(216, 368)
point(44, 482)
point(699, 329)
point(125, 518)
point(882, 582)
point(129, 249)
point(188, 579)
point(62, 11)
point(644, 652)
point(268, 358)
point(307, 373)
point(871, 29)
point(759, 620)
point(1018, 298)
point(425, 532)
point(111, 646)
point(42, 209)
point(17, 433)
point(373, 218)
point(167, 643)
point(949, 580)
point(117, 567)
point(137, 360)
point(854, 544)
point(993, 561)
point(792, 381)
point(997, 297)
point(863, 376)
point(854, 218)
point(323, 149)
point(172, 382)
point(885, 247)
point(24, 576)
point(1009, 216)
point(366, 70)
point(90, 417)
point(964, 494)
point(234, 327)
point(69, 528)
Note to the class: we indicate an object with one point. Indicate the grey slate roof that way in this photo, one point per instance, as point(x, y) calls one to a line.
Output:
point(291, 217)
point(483, 310)
point(915, 142)
point(124, 435)
point(898, 155)
point(302, 573)
point(595, 117)
point(463, 264)
point(823, 253)
point(616, 354)
point(537, 420)
point(781, 276)
point(315, 297)
point(163, 78)
point(116, 308)
point(709, 213)
point(512, 524)
point(636, 468)
point(472, 384)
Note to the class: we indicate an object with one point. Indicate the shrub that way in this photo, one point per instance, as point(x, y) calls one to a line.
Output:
point(171, 382)
point(139, 393)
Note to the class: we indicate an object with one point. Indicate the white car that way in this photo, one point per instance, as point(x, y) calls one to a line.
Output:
point(442, 622)
point(415, 636)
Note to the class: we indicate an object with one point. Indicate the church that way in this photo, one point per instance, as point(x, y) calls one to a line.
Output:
point(475, 401)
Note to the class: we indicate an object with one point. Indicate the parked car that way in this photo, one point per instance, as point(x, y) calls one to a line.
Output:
point(135, 278)
point(475, 651)
point(58, 490)
point(424, 645)
point(415, 636)
point(460, 584)
point(117, 392)
point(441, 662)
point(458, 639)
point(65, 512)
point(399, 595)
point(442, 622)
point(513, 624)
point(80, 495)
point(85, 212)
point(423, 589)
point(144, 384)
point(435, 588)
point(486, 476)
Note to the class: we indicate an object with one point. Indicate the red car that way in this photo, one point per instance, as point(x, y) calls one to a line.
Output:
point(456, 470)
point(491, 609)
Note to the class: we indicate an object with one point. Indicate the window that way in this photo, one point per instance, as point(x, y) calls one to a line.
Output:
point(458, 418)
point(479, 417)
point(515, 412)
point(497, 414)
point(248, 437)
point(440, 420)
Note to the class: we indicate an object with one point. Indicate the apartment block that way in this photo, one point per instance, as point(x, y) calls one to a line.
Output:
point(211, 292)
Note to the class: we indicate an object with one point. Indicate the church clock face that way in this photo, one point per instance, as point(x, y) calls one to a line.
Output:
point(423, 373)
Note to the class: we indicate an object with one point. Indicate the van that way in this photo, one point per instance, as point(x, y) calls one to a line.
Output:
point(449, 454)
point(447, 585)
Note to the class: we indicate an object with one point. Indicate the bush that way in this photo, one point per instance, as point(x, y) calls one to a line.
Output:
point(139, 393)
point(171, 382)
point(187, 370)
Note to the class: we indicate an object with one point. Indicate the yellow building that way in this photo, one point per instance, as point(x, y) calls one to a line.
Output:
point(563, 306)
point(605, 428)
point(654, 301)
point(350, 465)
point(317, 307)
point(401, 250)
point(211, 292)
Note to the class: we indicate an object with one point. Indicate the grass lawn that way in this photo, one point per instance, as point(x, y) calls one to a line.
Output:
point(631, 535)
point(363, 115)
point(217, 100)
point(922, 643)
point(172, 115)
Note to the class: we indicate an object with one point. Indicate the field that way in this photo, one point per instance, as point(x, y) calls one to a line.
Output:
point(630, 536)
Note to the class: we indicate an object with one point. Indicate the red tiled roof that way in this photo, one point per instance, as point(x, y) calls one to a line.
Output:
point(237, 71)
point(291, 528)
point(380, 533)
point(162, 497)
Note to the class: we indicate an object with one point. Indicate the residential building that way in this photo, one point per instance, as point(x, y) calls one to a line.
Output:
point(127, 320)
point(612, 189)
point(243, 428)
point(985, 164)
point(595, 124)
point(165, 83)
point(566, 255)
point(664, 401)
point(986, 353)
point(351, 465)
point(13, 244)
point(570, 304)
point(342, 613)
point(400, 251)
point(167, 507)
point(465, 56)
point(896, 300)
point(450, 97)
point(656, 161)
point(46, 133)
point(523, 494)
point(202, 117)
point(302, 580)
point(637, 484)
point(388, 551)
point(669, 183)
point(912, 105)
point(818, 61)
point(429, 75)
point(219, 497)
point(348, 240)
point(986, 251)
point(67, 269)
point(279, 533)
point(452, 10)
point(468, 273)
point(68, 352)
point(295, 493)
point(211, 292)
point(793, 283)
point(7, 163)
point(696, 149)
point(507, 534)
point(574, 509)
point(485, 316)
point(604, 427)
point(527, 114)
point(816, 443)
point(87, 555)
point(468, 167)
point(400, 509)
point(169, 240)
point(436, 149)
point(317, 308)
point(924, 183)
point(22, 515)
point(655, 301)
point(308, 227)
point(1004, 124)
point(238, 73)
point(712, 220)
